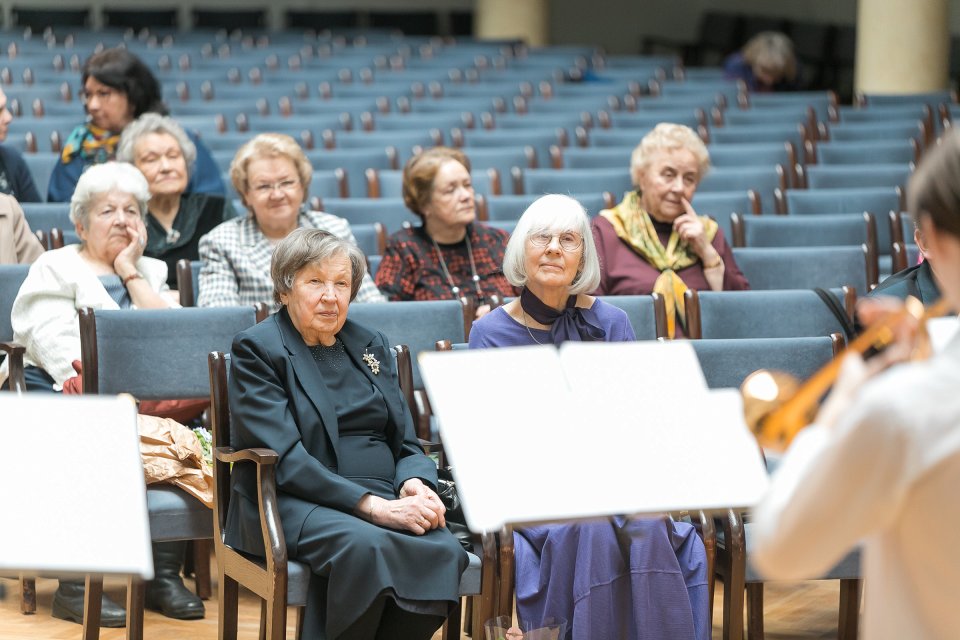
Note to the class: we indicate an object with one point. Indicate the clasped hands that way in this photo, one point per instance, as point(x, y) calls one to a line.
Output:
point(418, 509)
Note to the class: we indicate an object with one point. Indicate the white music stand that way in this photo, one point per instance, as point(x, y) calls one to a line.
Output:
point(589, 430)
point(73, 496)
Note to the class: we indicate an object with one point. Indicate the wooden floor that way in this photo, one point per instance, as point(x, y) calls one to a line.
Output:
point(792, 611)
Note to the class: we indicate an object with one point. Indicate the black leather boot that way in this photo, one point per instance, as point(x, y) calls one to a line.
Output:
point(68, 605)
point(166, 593)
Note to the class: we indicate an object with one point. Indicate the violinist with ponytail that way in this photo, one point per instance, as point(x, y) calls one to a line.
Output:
point(881, 463)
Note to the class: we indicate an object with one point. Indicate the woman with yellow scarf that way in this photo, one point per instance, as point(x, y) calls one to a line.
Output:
point(654, 241)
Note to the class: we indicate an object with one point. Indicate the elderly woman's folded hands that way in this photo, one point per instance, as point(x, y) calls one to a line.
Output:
point(418, 509)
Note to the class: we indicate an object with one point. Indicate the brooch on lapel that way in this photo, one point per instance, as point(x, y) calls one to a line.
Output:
point(372, 362)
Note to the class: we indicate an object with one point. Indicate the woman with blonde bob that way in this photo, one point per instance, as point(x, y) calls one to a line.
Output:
point(654, 240)
point(271, 173)
point(609, 579)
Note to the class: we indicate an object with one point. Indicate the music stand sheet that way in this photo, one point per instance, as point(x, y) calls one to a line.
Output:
point(537, 434)
point(73, 494)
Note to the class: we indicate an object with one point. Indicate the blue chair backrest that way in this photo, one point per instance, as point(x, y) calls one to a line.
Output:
point(726, 363)
point(865, 152)
point(862, 175)
point(597, 157)
point(767, 314)
point(41, 166)
point(804, 267)
point(640, 311)
point(11, 277)
point(44, 216)
point(392, 213)
point(541, 181)
point(416, 324)
point(720, 204)
point(809, 231)
point(159, 353)
point(746, 154)
point(763, 180)
point(391, 182)
point(876, 200)
point(366, 237)
point(354, 162)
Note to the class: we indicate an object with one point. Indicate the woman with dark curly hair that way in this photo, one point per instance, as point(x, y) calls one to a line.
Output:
point(117, 89)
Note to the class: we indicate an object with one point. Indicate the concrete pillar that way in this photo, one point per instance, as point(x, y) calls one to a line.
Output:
point(902, 47)
point(524, 19)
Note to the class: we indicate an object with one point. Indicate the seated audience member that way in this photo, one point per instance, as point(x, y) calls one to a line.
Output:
point(655, 584)
point(117, 89)
point(18, 245)
point(165, 155)
point(360, 508)
point(15, 177)
point(271, 174)
point(654, 240)
point(917, 281)
point(449, 255)
point(880, 464)
point(107, 270)
point(766, 63)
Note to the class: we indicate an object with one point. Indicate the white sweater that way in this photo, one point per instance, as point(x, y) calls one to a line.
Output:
point(886, 474)
point(46, 311)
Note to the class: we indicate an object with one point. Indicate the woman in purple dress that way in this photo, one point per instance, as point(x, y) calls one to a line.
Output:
point(619, 578)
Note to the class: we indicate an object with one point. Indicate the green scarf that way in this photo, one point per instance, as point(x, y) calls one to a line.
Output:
point(93, 144)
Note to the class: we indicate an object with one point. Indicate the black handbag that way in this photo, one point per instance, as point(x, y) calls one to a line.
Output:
point(456, 523)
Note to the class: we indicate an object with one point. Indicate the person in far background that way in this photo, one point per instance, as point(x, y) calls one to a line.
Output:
point(450, 255)
point(15, 177)
point(176, 221)
point(18, 245)
point(117, 89)
point(766, 63)
point(916, 280)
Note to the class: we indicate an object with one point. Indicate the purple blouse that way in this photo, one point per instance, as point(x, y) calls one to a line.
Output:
point(498, 329)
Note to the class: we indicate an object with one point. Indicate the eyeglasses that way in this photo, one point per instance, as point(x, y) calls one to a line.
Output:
point(100, 94)
point(569, 241)
point(287, 186)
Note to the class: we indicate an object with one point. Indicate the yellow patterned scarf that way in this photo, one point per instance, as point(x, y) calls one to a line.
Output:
point(634, 226)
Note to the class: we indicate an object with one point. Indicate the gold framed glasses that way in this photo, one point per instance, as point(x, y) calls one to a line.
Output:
point(569, 241)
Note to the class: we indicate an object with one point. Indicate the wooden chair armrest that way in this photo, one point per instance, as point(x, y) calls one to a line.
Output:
point(257, 456)
point(14, 353)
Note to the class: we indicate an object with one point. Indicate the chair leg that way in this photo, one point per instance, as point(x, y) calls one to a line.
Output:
point(136, 596)
point(468, 616)
point(92, 597)
point(263, 620)
point(301, 611)
point(732, 609)
point(273, 619)
point(451, 626)
point(228, 604)
point(849, 609)
point(28, 595)
point(755, 611)
point(201, 568)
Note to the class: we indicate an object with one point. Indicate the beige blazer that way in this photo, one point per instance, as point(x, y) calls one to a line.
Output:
point(17, 242)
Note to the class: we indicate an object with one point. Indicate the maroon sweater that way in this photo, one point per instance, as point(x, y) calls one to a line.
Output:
point(624, 272)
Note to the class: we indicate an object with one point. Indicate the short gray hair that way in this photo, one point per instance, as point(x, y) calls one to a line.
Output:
point(305, 246)
point(668, 136)
point(553, 213)
point(101, 178)
point(155, 123)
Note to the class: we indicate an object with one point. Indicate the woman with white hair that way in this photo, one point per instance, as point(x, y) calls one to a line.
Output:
point(654, 240)
point(176, 220)
point(642, 578)
point(107, 270)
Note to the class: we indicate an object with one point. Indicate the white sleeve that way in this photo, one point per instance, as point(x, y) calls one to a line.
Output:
point(835, 486)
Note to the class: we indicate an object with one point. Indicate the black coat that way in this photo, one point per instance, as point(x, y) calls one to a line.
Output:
point(278, 400)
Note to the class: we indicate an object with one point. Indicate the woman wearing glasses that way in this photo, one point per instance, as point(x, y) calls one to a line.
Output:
point(654, 240)
point(271, 174)
point(450, 255)
point(117, 89)
point(608, 579)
